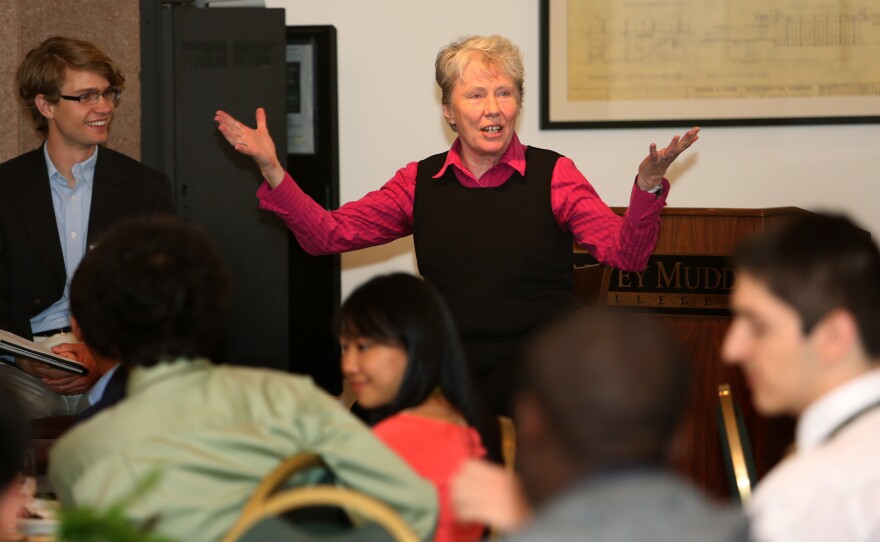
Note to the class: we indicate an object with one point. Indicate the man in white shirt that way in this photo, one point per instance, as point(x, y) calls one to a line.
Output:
point(806, 332)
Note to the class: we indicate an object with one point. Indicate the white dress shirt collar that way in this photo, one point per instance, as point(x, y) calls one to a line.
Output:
point(826, 415)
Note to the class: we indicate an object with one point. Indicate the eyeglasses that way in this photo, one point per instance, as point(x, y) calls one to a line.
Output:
point(92, 97)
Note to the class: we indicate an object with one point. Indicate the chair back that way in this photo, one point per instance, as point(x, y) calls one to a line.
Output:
point(267, 503)
point(42, 434)
point(270, 484)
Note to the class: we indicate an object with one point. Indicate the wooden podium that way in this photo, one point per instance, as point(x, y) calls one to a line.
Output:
point(687, 285)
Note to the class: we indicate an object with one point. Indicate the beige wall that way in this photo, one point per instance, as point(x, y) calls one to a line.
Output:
point(113, 25)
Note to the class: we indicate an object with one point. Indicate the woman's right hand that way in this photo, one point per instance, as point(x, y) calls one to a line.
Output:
point(256, 143)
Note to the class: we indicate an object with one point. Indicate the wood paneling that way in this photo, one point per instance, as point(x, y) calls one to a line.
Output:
point(113, 25)
point(698, 453)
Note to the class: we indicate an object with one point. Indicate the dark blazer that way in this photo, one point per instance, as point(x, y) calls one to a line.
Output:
point(32, 274)
point(113, 393)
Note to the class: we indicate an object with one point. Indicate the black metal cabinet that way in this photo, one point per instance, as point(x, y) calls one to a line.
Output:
point(194, 62)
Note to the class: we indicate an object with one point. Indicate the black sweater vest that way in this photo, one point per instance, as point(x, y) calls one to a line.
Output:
point(496, 255)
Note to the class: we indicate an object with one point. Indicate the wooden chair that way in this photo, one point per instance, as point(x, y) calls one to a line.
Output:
point(274, 480)
point(267, 503)
point(508, 453)
point(739, 463)
point(42, 434)
point(508, 442)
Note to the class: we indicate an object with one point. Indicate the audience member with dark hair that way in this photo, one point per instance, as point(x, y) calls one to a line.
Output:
point(56, 200)
point(595, 417)
point(153, 294)
point(403, 359)
point(12, 437)
point(806, 332)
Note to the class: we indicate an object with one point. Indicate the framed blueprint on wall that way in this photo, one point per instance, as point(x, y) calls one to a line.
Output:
point(639, 63)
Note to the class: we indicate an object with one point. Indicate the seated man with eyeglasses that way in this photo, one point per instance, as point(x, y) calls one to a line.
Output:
point(55, 200)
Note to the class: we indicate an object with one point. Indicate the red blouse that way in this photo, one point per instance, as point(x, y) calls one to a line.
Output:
point(387, 214)
point(435, 449)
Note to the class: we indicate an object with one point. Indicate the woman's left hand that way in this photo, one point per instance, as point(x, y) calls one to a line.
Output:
point(654, 166)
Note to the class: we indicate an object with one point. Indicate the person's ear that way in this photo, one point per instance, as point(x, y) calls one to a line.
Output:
point(448, 115)
point(75, 329)
point(47, 108)
point(836, 335)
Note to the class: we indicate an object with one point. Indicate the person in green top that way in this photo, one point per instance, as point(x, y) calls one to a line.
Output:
point(153, 293)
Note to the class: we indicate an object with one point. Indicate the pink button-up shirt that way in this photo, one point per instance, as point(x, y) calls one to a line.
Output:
point(386, 214)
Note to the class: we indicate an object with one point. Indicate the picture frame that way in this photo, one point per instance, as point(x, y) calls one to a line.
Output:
point(619, 64)
point(300, 51)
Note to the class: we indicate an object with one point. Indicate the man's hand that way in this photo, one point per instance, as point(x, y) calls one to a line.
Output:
point(489, 494)
point(63, 382)
point(71, 384)
point(38, 369)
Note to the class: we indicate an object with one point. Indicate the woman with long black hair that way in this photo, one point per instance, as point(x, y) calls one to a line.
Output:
point(403, 360)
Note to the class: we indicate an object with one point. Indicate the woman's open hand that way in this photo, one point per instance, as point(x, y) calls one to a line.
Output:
point(256, 143)
point(654, 166)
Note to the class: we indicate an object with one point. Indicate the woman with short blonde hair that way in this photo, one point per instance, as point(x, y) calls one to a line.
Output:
point(493, 220)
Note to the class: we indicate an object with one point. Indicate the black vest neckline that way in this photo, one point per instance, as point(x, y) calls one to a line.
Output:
point(496, 254)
